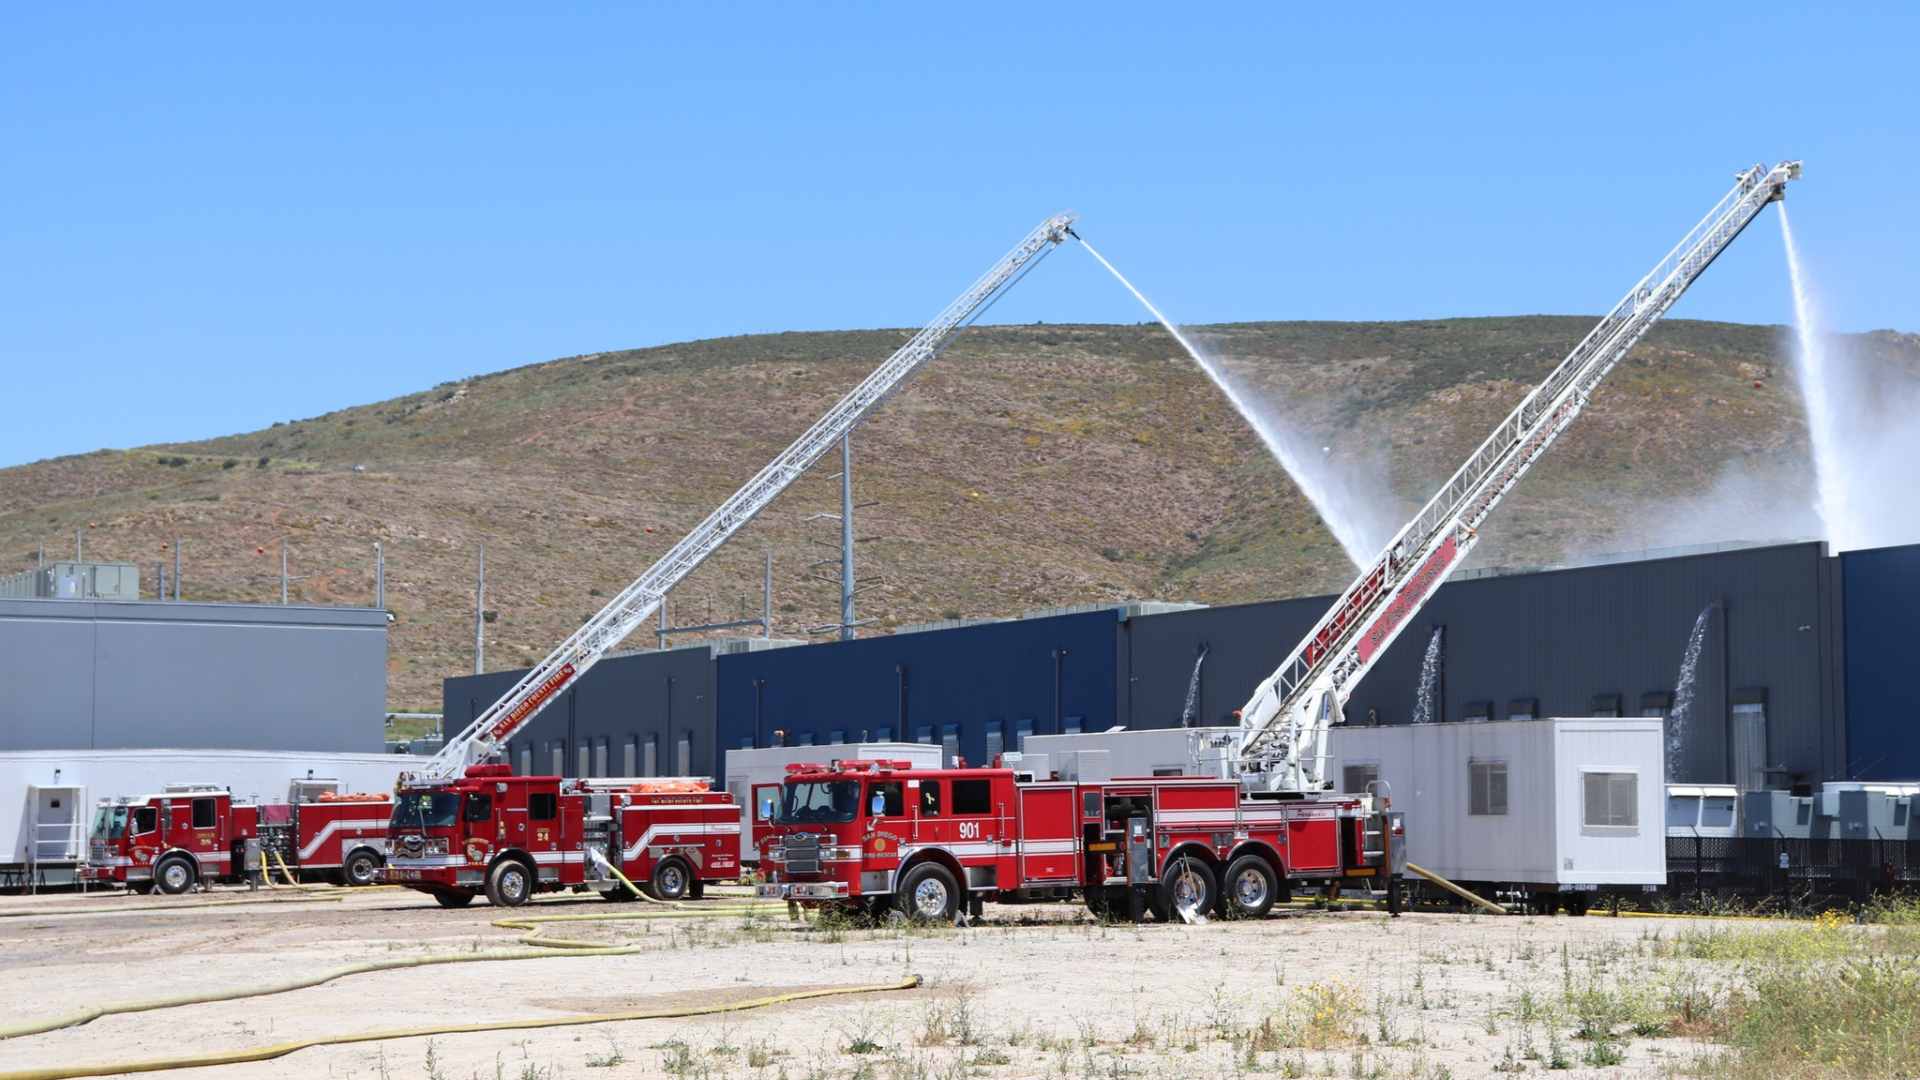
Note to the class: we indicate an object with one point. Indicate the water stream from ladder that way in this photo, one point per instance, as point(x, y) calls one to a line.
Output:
point(1343, 524)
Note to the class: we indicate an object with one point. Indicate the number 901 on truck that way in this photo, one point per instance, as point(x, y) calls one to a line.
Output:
point(932, 844)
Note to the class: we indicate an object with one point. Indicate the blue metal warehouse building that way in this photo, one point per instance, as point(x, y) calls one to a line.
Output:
point(1801, 652)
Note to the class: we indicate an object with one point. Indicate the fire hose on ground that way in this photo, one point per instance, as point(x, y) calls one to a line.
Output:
point(537, 947)
point(276, 1050)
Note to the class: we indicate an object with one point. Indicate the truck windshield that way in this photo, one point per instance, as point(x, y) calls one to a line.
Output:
point(110, 822)
point(819, 800)
point(426, 810)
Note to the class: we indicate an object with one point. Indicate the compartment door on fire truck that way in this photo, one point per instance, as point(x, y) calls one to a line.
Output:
point(1313, 843)
point(1048, 837)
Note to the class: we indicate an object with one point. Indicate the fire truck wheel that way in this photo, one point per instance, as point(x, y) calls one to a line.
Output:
point(509, 883)
point(1187, 884)
point(362, 868)
point(671, 879)
point(453, 899)
point(1251, 887)
point(142, 887)
point(929, 894)
point(174, 875)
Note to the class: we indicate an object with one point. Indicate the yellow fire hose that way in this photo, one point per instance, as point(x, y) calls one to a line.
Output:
point(1457, 890)
point(537, 948)
point(268, 1053)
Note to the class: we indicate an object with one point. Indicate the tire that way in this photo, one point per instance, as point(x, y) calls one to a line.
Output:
point(1576, 904)
point(363, 868)
point(928, 894)
point(175, 875)
point(1251, 888)
point(698, 889)
point(672, 879)
point(453, 899)
point(141, 887)
point(509, 883)
point(617, 895)
point(1186, 883)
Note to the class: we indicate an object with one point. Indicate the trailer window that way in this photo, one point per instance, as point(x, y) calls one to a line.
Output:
point(543, 806)
point(1683, 811)
point(885, 799)
point(145, 820)
point(203, 815)
point(1612, 800)
point(814, 801)
point(972, 797)
point(1487, 787)
point(929, 798)
point(1717, 812)
point(1355, 778)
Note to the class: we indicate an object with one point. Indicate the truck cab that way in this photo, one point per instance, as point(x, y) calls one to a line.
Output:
point(171, 841)
point(489, 832)
point(881, 836)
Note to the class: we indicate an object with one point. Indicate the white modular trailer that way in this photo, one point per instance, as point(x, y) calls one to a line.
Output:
point(1552, 805)
point(754, 776)
point(47, 796)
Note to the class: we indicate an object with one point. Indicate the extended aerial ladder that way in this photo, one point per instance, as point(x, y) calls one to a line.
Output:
point(629, 610)
point(1283, 726)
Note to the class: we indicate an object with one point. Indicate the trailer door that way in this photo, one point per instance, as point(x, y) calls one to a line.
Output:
point(1049, 843)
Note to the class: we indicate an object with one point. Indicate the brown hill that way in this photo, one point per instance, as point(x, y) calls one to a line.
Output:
point(1030, 466)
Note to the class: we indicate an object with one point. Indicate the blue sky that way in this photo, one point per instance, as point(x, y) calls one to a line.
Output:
point(218, 218)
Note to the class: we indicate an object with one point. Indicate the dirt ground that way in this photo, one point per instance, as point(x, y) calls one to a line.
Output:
point(1033, 991)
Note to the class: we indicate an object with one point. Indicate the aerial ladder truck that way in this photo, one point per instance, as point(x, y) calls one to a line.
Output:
point(1282, 741)
point(462, 825)
point(932, 843)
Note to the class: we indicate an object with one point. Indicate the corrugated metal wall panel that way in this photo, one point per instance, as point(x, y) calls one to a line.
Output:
point(1882, 616)
point(77, 674)
point(1559, 637)
point(662, 695)
point(1044, 672)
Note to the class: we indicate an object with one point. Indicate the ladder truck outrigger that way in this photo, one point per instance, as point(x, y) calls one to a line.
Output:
point(463, 826)
point(934, 843)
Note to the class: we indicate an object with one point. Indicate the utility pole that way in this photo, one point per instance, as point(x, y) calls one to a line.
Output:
point(283, 570)
point(40, 558)
point(79, 545)
point(846, 537)
point(480, 615)
point(379, 577)
point(766, 599)
point(176, 569)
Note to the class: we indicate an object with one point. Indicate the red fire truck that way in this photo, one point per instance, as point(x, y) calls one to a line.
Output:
point(186, 835)
point(512, 836)
point(932, 843)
